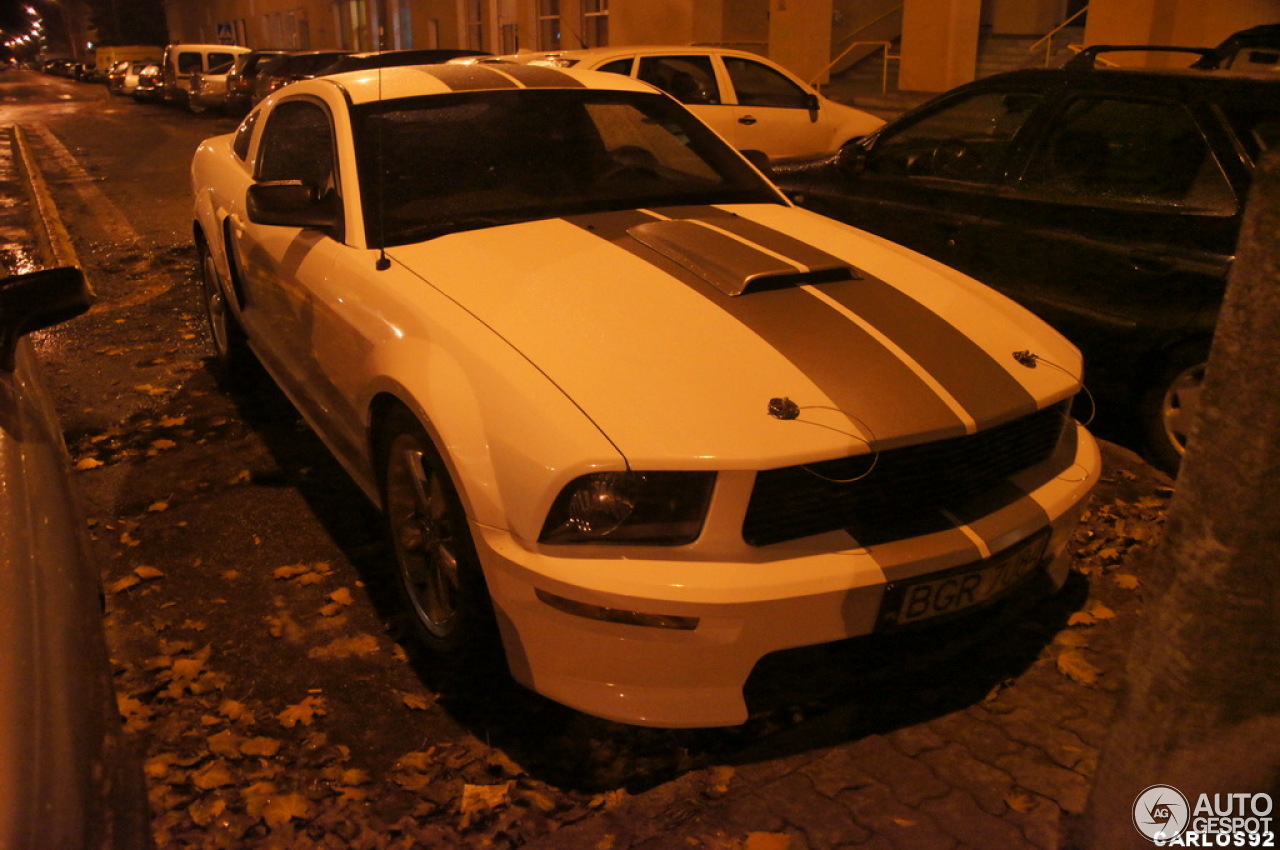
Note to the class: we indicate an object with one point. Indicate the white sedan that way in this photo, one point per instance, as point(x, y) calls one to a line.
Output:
point(754, 103)
point(621, 403)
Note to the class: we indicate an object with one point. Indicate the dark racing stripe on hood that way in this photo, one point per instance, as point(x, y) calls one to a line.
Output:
point(538, 77)
point(867, 381)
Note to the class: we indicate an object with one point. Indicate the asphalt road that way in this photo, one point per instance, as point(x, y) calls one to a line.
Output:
point(259, 660)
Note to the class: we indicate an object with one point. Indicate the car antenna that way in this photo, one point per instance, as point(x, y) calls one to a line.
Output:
point(383, 262)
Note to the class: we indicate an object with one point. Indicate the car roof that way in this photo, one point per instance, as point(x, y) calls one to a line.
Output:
point(589, 53)
point(414, 80)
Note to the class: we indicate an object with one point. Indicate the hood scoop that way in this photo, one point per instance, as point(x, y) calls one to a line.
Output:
point(738, 265)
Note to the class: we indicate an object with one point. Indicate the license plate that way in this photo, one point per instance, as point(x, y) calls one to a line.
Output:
point(962, 588)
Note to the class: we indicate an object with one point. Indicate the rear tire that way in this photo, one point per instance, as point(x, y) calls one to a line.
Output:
point(438, 572)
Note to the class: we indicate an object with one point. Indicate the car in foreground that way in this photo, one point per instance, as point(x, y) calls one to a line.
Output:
point(753, 102)
point(1107, 201)
point(616, 397)
point(69, 778)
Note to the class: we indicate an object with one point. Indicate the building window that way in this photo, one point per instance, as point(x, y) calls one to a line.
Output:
point(595, 23)
point(548, 24)
point(474, 33)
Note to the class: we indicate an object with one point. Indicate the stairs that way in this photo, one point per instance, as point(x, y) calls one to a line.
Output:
point(860, 85)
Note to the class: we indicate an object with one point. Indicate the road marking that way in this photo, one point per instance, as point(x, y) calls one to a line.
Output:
point(109, 217)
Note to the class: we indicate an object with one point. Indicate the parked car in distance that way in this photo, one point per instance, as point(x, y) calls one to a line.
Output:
point(282, 70)
point(69, 778)
point(209, 89)
point(180, 61)
point(149, 87)
point(617, 398)
point(754, 103)
point(115, 76)
point(243, 76)
point(397, 58)
point(1107, 201)
point(133, 73)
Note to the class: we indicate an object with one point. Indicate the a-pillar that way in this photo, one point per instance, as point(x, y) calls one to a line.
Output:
point(939, 44)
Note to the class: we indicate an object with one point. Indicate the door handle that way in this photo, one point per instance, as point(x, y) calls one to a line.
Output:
point(747, 119)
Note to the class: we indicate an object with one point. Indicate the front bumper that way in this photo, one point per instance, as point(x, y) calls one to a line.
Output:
point(820, 589)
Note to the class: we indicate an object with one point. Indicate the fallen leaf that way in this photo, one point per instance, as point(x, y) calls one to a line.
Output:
point(904, 822)
point(1071, 638)
point(256, 797)
point(147, 573)
point(172, 421)
point(213, 775)
point(1126, 581)
point(260, 746)
point(234, 710)
point(304, 712)
point(225, 744)
point(88, 463)
point(418, 702)
point(342, 596)
point(478, 799)
point(767, 841)
point(157, 507)
point(346, 647)
point(281, 809)
point(290, 571)
point(1019, 801)
point(1100, 612)
point(1076, 667)
point(123, 584)
point(162, 444)
point(205, 811)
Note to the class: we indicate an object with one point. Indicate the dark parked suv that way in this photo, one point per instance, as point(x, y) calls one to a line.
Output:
point(1107, 201)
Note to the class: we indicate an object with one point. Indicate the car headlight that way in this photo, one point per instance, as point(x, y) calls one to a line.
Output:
point(655, 508)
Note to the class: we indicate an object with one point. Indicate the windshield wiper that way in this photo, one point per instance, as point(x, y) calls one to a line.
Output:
point(432, 229)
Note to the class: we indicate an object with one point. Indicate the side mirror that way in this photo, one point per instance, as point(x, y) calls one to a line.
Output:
point(852, 159)
point(38, 300)
point(811, 102)
point(290, 203)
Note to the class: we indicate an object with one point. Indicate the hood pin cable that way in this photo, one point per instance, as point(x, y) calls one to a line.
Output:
point(787, 410)
point(1030, 359)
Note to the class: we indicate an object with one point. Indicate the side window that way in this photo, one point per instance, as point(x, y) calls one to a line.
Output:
point(189, 63)
point(689, 79)
point(297, 144)
point(757, 84)
point(1111, 150)
point(966, 140)
point(217, 60)
point(1257, 127)
point(244, 135)
point(617, 66)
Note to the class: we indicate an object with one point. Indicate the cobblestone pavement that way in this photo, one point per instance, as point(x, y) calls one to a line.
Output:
point(984, 735)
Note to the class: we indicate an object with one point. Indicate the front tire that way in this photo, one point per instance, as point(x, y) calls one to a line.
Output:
point(438, 573)
point(230, 346)
point(1172, 405)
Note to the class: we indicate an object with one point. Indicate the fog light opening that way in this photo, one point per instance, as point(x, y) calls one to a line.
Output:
point(617, 615)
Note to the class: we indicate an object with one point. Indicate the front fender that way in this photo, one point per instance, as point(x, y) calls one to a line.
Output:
point(510, 437)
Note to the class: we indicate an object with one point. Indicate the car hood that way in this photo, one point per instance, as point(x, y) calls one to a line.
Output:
point(733, 336)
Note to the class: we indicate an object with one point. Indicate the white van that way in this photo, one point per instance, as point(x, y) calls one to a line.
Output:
point(183, 60)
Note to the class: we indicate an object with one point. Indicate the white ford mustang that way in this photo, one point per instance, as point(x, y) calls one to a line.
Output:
point(620, 401)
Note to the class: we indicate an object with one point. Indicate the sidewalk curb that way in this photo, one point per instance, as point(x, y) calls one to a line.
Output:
point(53, 241)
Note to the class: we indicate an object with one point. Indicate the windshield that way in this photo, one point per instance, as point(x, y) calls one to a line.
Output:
point(443, 163)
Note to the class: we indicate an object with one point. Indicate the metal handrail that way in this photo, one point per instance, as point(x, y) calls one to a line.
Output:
point(1047, 38)
point(884, 71)
point(853, 31)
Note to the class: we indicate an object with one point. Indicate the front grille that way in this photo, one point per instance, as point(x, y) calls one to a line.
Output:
point(905, 491)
